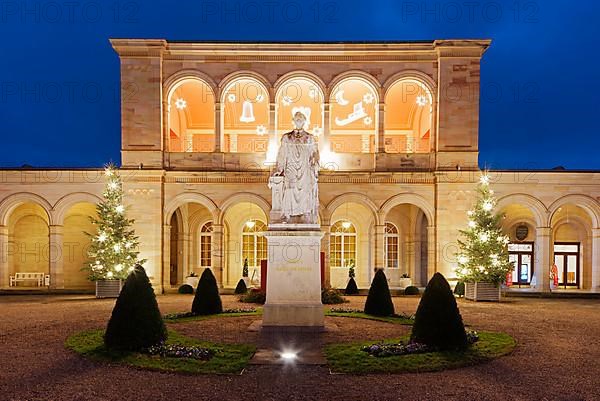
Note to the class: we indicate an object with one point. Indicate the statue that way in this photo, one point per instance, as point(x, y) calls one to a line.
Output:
point(294, 184)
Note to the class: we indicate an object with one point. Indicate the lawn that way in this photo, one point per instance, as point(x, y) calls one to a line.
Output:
point(349, 358)
point(228, 358)
point(170, 319)
point(361, 315)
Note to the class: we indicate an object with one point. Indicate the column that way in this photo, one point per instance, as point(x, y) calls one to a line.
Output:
point(55, 254)
point(218, 128)
point(216, 247)
point(326, 230)
point(4, 273)
point(543, 239)
point(184, 256)
point(595, 259)
point(381, 129)
point(432, 261)
point(273, 144)
point(165, 274)
point(326, 144)
point(379, 248)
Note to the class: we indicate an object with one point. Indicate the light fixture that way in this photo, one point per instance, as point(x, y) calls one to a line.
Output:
point(180, 103)
point(120, 209)
point(472, 224)
point(102, 237)
point(487, 206)
point(289, 356)
point(421, 100)
point(484, 180)
point(250, 224)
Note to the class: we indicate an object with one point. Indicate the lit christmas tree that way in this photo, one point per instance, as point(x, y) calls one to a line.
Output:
point(113, 250)
point(483, 254)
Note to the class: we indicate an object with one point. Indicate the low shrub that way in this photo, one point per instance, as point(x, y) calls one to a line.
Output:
point(459, 289)
point(207, 300)
point(136, 322)
point(379, 301)
point(351, 287)
point(254, 296)
point(186, 289)
point(330, 296)
point(438, 322)
point(241, 288)
point(411, 290)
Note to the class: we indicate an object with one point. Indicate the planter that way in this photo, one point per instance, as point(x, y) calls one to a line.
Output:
point(193, 281)
point(480, 291)
point(108, 288)
point(405, 282)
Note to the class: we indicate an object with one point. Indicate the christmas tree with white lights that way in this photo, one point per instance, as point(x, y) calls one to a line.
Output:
point(113, 250)
point(483, 252)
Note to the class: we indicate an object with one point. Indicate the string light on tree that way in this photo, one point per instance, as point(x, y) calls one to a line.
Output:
point(112, 253)
point(483, 248)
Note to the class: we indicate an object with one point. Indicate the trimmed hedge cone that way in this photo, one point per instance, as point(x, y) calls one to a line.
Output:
point(351, 287)
point(241, 287)
point(207, 300)
point(438, 322)
point(379, 301)
point(136, 322)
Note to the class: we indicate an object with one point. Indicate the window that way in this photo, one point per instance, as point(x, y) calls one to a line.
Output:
point(521, 254)
point(191, 117)
point(206, 245)
point(407, 121)
point(342, 247)
point(391, 240)
point(254, 246)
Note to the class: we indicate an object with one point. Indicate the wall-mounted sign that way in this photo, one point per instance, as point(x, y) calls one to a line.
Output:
point(521, 232)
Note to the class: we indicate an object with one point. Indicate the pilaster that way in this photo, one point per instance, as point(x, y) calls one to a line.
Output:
point(543, 238)
point(55, 255)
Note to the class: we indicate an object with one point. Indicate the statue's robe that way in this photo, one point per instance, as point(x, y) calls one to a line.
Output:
point(298, 162)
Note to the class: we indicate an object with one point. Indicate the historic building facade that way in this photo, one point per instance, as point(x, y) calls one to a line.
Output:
point(397, 125)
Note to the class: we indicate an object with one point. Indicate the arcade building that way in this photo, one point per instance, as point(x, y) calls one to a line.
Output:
point(397, 125)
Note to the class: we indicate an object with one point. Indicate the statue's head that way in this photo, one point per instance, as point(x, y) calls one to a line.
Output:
point(299, 120)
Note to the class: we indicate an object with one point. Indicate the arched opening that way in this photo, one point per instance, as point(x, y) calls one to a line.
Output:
point(28, 242)
point(572, 246)
point(77, 222)
point(351, 243)
point(408, 117)
point(175, 274)
point(243, 222)
point(353, 116)
point(191, 117)
point(245, 103)
point(206, 238)
point(520, 225)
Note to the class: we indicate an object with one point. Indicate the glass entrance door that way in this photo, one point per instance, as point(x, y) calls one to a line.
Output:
point(521, 254)
point(566, 259)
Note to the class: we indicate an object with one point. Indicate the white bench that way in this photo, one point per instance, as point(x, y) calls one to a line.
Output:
point(36, 277)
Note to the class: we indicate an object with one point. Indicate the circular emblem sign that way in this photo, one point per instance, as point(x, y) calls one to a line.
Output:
point(521, 232)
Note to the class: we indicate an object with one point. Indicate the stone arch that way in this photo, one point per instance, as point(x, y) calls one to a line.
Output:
point(300, 74)
point(243, 197)
point(62, 206)
point(189, 197)
point(410, 74)
point(358, 74)
point(247, 74)
point(535, 205)
point(179, 77)
point(587, 203)
point(356, 198)
point(408, 198)
point(8, 205)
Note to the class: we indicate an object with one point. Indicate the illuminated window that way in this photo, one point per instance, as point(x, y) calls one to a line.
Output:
point(391, 239)
point(353, 117)
point(254, 246)
point(342, 244)
point(245, 116)
point(191, 117)
point(408, 111)
point(299, 94)
point(206, 245)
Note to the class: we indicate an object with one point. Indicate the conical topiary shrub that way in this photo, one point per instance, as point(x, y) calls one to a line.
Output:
point(136, 322)
point(438, 322)
point(459, 290)
point(241, 288)
point(351, 287)
point(379, 301)
point(207, 300)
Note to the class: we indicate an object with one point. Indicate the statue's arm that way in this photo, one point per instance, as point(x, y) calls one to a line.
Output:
point(281, 157)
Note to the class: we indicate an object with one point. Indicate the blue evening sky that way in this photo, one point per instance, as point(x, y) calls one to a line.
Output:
point(59, 77)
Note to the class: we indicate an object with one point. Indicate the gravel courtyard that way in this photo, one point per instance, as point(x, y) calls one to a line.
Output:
point(557, 356)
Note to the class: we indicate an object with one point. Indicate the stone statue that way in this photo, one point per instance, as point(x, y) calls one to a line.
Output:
point(294, 184)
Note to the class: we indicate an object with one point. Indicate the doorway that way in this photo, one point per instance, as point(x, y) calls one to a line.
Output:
point(566, 259)
point(521, 254)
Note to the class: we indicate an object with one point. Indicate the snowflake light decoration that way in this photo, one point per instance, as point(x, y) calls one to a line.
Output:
point(317, 131)
point(259, 98)
point(231, 97)
point(180, 104)
point(261, 130)
point(368, 98)
point(287, 100)
point(367, 120)
point(421, 100)
point(312, 93)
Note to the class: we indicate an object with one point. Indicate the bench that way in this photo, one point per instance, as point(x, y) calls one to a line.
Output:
point(24, 277)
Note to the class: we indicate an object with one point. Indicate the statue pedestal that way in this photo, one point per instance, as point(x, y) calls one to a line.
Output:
point(293, 278)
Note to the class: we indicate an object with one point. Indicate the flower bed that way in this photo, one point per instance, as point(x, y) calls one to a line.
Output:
point(180, 351)
point(383, 350)
point(231, 311)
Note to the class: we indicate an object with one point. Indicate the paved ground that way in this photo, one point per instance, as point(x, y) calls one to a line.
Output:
point(557, 357)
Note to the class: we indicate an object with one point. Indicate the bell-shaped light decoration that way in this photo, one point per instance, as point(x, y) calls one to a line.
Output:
point(247, 112)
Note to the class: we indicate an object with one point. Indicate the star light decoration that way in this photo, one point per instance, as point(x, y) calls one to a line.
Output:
point(421, 100)
point(112, 253)
point(483, 248)
point(180, 104)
